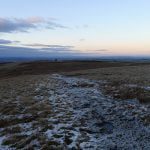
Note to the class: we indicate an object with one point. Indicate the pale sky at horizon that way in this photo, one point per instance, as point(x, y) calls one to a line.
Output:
point(101, 27)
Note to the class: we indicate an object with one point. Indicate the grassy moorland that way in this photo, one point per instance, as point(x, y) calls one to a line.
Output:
point(123, 82)
point(46, 67)
point(42, 111)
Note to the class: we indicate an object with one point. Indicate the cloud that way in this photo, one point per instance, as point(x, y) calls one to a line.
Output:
point(55, 51)
point(51, 48)
point(43, 50)
point(20, 51)
point(2, 41)
point(54, 25)
point(5, 42)
point(9, 25)
point(37, 45)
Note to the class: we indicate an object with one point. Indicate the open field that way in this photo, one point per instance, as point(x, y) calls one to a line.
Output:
point(138, 74)
point(46, 67)
point(125, 82)
point(91, 105)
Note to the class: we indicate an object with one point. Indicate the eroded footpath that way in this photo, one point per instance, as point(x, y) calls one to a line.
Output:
point(72, 113)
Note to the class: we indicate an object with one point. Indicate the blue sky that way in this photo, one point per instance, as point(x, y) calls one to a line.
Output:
point(96, 27)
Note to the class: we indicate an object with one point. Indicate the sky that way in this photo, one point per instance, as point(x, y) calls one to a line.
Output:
point(74, 27)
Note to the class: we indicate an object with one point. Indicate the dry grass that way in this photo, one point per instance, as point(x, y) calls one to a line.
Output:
point(125, 82)
point(17, 98)
point(9, 70)
point(18, 106)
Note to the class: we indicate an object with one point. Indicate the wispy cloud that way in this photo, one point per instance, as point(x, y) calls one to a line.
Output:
point(5, 42)
point(2, 41)
point(7, 49)
point(37, 45)
point(51, 50)
point(9, 25)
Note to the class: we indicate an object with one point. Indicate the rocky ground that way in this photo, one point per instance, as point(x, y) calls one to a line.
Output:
point(59, 112)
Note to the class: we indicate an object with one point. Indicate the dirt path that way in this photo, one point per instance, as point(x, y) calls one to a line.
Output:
point(80, 117)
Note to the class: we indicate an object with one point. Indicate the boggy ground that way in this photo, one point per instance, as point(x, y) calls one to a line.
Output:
point(60, 112)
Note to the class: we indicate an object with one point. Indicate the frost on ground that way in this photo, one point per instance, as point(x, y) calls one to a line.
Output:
point(71, 113)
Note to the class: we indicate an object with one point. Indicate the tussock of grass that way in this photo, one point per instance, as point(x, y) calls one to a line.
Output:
point(123, 92)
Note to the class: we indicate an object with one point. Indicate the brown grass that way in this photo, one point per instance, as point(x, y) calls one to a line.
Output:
point(18, 90)
point(119, 81)
point(46, 67)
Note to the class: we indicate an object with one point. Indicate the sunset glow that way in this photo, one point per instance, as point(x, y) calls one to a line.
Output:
point(104, 28)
